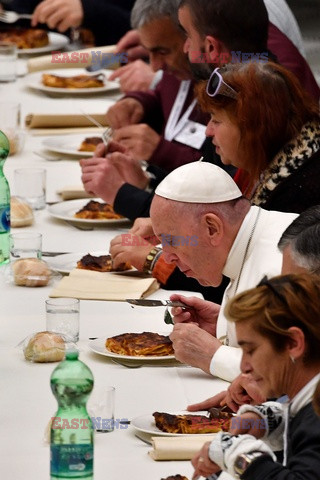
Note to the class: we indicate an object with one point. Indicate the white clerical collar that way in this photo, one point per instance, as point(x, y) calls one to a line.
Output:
point(236, 255)
point(304, 396)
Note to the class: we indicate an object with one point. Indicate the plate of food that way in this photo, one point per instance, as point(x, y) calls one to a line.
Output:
point(75, 81)
point(33, 40)
point(181, 423)
point(96, 261)
point(144, 346)
point(91, 213)
point(76, 145)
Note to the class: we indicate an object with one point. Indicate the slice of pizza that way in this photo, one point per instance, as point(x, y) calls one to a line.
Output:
point(175, 477)
point(25, 38)
point(94, 210)
point(140, 344)
point(89, 144)
point(101, 263)
point(190, 424)
point(76, 81)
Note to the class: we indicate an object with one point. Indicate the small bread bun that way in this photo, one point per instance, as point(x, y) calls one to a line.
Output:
point(31, 272)
point(45, 347)
point(21, 213)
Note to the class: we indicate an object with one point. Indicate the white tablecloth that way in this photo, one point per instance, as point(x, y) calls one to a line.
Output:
point(26, 401)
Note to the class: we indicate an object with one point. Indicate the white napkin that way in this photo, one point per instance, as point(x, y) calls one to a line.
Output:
point(177, 448)
point(44, 62)
point(90, 285)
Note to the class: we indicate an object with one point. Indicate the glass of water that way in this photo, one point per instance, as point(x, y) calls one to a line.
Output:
point(25, 245)
point(62, 316)
point(8, 62)
point(30, 185)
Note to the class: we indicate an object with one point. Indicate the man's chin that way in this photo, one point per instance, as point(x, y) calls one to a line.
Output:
point(200, 71)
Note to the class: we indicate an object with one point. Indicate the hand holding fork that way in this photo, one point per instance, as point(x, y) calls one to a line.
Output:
point(12, 17)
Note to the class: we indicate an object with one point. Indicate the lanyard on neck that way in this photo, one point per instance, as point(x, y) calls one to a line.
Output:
point(174, 126)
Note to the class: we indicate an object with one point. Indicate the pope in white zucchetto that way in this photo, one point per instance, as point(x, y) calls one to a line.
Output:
point(233, 238)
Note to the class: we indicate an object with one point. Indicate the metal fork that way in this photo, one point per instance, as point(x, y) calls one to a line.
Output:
point(107, 131)
point(50, 157)
point(13, 17)
point(126, 364)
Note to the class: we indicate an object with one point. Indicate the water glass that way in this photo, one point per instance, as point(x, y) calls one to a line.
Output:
point(30, 185)
point(101, 408)
point(10, 115)
point(8, 62)
point(25, 245)
point(62, 316)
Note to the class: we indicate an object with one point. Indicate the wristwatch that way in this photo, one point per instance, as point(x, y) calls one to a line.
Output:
point(148, 264)
point(243, 461)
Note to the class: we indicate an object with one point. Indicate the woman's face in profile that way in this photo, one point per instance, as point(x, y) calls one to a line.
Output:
point(268, 367)
point(225, 136)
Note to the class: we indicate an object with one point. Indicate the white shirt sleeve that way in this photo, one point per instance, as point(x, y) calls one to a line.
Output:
point(225, 363)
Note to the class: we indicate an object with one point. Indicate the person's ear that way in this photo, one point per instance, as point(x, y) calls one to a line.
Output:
point(296, 344)
point(214, 228)
point(214, 48)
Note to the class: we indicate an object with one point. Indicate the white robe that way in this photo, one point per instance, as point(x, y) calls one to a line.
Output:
point(263, 258)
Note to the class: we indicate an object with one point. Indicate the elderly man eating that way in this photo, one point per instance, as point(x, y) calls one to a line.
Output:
point(201, 201)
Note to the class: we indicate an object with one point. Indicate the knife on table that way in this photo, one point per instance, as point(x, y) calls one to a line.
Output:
point(141, 302)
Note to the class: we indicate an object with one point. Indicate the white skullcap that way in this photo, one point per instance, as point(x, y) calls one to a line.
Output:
point(198, 182)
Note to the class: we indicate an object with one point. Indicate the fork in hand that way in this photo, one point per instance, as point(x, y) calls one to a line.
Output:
point(107, 131)
point(13, 17)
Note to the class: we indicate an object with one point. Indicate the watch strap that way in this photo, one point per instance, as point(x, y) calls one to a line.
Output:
point(147, 266)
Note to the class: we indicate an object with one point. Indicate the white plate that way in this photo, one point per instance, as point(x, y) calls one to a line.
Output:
point(98, 346)
point(68, 261)
point(66, 210)
point(146, 424)
point(68, 144)
point(57, 41)
point(34, 80)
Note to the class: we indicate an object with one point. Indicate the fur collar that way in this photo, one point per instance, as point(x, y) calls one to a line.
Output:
point(293, 155)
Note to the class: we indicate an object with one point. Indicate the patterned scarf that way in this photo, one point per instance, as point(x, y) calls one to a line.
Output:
point(293, 155)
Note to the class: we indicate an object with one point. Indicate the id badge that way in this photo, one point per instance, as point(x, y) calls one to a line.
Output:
point(192, 134)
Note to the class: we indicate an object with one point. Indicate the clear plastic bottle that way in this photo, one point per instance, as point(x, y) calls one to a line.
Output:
point(71, 436)
point(4, 202)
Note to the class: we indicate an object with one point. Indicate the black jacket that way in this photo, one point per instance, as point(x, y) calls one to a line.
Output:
point(303, 454)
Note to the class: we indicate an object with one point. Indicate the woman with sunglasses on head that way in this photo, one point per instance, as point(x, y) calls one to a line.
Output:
point(277, 325)
point(265, 124)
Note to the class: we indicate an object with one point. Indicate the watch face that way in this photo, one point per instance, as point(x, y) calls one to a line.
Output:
point(243, 461)
point(240, 464)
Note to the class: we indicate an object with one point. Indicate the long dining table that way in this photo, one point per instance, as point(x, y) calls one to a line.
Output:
point(26, 400)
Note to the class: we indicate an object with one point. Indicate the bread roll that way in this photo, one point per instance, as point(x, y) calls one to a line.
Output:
point(30, 272)
point(45, 347)
point(21, 213)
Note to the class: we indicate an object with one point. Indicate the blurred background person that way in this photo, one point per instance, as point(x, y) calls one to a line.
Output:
point(277, 149)
point(281, 19)
point(300, 243)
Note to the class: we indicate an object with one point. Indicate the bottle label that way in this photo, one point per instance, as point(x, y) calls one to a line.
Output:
point(4, 218)
point(71, 460)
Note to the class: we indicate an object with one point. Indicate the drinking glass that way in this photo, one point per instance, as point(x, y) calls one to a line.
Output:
point(8, 62)
point(101, 408)
point(30, 185)
point(62, 316)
